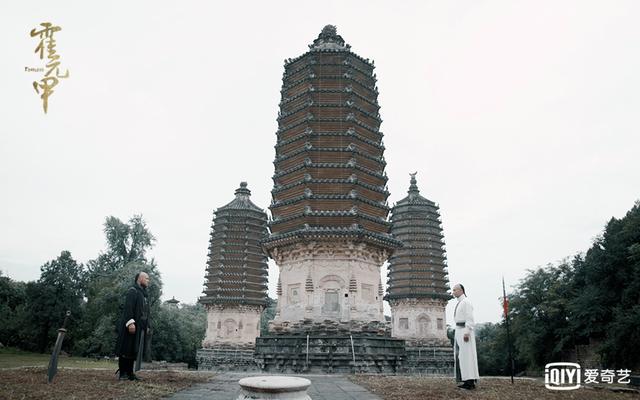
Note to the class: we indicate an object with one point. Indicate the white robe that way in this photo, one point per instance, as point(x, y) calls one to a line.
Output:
point(466, 351)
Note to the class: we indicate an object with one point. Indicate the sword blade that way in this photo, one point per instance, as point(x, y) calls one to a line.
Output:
point(53, 361)
point(140, 351)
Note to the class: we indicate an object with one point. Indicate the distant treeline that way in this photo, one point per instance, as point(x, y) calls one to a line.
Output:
point(589, 301)
point(33, 311)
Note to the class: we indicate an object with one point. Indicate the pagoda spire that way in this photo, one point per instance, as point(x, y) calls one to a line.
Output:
point(413, 187)
point(328, 39)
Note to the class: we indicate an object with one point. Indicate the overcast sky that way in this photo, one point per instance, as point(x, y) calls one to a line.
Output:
point(521, 118)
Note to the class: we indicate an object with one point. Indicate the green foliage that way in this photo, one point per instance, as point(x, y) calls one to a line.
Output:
point(126, 242)
point(268, 314)
point(32, 312)
point(59, 289)
point(593, 298)
point(539, 314)
point(12, 300)
point(493, 351)
point(619, 257)
point(178, 333)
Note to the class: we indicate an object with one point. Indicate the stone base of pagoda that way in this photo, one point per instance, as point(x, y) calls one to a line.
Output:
point(329, 328)
point(429, 360)
point(327, 354)
point(227, 357)
point(420, 321)
point(329, 280)
point(232, 325)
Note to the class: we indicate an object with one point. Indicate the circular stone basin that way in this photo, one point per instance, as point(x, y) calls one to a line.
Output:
point(274, 387)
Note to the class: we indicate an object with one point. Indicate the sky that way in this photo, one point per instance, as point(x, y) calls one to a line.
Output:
point(521, 118)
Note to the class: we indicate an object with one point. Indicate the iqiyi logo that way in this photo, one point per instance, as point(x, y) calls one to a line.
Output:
point(562, 376)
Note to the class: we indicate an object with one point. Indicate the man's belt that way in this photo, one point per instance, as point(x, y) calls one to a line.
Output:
point(461, 324)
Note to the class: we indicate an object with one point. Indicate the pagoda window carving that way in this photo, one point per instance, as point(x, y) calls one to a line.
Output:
point(332, 286)
point(403, 323)
point(294, 293)
point(367, 292)
point(423, 325)
point(331, 301)
point(230, 328)
point(440, 323)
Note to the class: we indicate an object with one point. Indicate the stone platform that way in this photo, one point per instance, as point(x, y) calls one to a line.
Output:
point(330, 354)
point(429, 360)
point(330, 347)
point(227, 358)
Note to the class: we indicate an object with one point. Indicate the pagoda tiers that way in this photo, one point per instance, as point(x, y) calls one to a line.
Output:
point(236, 280)
point(418, 280)
point(329, 228)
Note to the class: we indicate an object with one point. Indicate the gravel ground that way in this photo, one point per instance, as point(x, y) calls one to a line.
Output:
point(418, 388)
point(92, 384)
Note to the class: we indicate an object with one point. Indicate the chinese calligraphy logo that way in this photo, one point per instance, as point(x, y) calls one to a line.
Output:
point(52, 75)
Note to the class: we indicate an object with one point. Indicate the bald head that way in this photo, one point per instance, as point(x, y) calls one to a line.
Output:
point(142, 279)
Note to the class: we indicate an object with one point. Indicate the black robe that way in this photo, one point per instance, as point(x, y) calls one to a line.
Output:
point(136, 307)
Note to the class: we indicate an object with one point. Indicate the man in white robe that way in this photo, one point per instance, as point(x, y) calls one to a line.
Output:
point(465, 356)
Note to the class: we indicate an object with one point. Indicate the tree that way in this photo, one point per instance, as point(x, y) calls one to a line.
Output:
point(110, 275)
point(59, 289)
point(614, 265)
point(493, 352)
point(539, 314)
point(268, 314)
point(594, 298)
point(12, 300)
point(178, 333)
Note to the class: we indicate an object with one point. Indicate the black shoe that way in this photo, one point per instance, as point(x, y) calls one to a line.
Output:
point(124, 377)
point(467, 386)
point(134, 377)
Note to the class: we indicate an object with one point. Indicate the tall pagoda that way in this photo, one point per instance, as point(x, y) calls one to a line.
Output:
point(329, 228)
point(236, 280)
point(418, 280)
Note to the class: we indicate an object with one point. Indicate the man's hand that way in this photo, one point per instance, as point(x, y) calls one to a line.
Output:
point(466, 337)
point(132, 329)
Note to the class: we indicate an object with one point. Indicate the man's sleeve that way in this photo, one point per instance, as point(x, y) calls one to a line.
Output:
point(470, 324)
point(129, 307)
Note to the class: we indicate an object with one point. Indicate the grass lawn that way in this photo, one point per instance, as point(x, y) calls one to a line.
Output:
point(12, 358)
point(408, 387)
point(23, 375)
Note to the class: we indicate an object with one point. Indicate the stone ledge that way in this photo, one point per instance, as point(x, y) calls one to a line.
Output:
point(330, 328)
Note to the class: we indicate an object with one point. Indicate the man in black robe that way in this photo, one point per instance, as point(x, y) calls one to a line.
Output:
point(133, 323)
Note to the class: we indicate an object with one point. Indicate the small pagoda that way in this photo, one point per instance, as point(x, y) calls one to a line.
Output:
point(236, 281)
point(418, 280)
